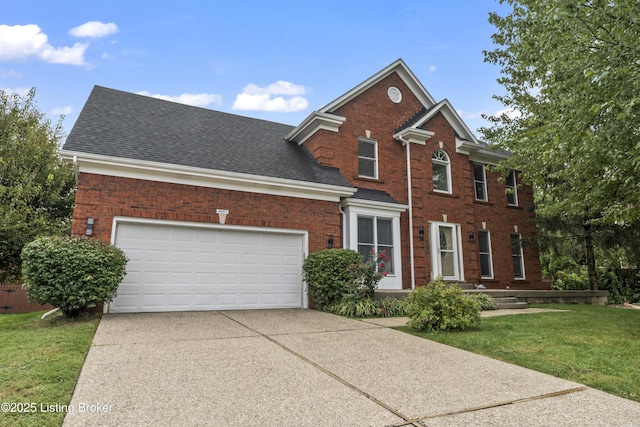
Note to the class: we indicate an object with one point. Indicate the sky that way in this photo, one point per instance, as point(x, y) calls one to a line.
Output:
point(270, 59)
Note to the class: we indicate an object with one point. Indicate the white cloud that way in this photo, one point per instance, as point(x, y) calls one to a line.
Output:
point(65, 111)
point(21, 91)
point(471, 116)
point(94, 29)
point(23, 42)
point(195, 99)
point(432, 69)
point(258, 98)
point(9, 74)
point(510, 112)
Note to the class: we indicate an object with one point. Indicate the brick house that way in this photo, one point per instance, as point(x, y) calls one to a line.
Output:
point(218, 211)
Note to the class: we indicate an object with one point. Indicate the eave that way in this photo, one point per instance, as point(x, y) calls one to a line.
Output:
point(186, 175)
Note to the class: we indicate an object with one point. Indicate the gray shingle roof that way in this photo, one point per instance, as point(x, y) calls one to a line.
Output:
point(374, 195)
point(126, 125)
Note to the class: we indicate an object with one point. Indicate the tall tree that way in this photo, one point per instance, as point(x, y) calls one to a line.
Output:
point(37, 189)
point(571, 71)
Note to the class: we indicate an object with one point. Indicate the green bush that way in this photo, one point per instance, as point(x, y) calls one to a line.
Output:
point(327, 273)
point(73, 273)
point(392, 307)
point(436, 307)
point(367, 307)
point(484, 301)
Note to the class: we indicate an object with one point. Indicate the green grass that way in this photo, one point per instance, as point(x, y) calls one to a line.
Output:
point(594, 345)
point(40, 361)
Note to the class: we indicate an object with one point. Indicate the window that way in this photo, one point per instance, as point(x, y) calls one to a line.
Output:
point(480, 182)
point(368, 158)
point(512, 190)
point(376, 235)
point(484, 248)
point(441, 172)
point(516, 254)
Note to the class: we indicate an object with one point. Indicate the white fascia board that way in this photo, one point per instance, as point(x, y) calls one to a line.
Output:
point(186, 175)
point(314, 122)
point(373, 205)
point(413, 135)
point(405, 74)
point(452, 117)
point(479, 153)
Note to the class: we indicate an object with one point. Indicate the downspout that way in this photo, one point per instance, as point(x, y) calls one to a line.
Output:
point(75, 167)
point(344, 226)
point(411, 250)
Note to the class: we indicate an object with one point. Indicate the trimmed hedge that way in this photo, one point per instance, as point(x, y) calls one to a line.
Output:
point(73, 273)
point(327, 273)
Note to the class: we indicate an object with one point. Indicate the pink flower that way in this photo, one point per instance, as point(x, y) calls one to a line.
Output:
point(384, 274)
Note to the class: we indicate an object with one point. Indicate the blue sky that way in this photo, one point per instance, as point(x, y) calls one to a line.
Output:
point(274, 60)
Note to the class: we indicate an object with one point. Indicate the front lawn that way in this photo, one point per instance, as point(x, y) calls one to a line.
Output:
point(40, 364)
point(594, 345)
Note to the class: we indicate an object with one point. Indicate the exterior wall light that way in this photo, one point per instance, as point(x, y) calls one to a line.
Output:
point(421, 232)
point(330, 241)
point(472, 237)
point(89, 231)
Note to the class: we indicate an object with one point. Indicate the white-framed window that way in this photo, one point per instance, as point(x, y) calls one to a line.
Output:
point(480, 181)
point(484, 249)
point(368, 158)
point(441, 171)
point(375, 234)
point(516, 255)
point(512, 189)
point(371, 225)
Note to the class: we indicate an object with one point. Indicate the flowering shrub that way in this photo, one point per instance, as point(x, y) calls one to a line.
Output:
point(366, 276)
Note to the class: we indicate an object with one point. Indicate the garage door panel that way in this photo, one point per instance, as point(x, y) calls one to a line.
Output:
point(175, 267)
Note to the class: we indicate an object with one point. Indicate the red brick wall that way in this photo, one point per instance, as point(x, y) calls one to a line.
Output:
point(103, 197)
point(374, 111)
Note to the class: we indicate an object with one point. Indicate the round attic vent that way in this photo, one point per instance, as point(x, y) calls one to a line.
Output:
point(394, 94)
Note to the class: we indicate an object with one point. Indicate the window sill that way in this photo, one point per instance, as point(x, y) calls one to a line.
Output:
point(437, 193)
point(368, 179)
point(484, 202)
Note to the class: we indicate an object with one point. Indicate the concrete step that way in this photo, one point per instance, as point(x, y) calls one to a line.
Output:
point(509, 303)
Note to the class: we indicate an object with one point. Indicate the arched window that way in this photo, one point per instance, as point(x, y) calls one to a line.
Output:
point(441, 172)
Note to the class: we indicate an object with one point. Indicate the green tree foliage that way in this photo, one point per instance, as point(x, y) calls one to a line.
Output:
point(571, 71)
point(37, 189)
point(73, 273)
point(328, 272)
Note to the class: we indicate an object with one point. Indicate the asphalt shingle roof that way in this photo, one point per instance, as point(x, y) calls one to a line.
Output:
point(374, 195)
point(126, 125)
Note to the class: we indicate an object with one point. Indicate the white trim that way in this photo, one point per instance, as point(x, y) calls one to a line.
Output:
point(375, 158)
point(524, 273)
point(131, 220)
point(484, 181)
point(453, 118)
point(309, 125)
point(488, 233)
point(479, 153)
point(412, 135)
point(352, 212)
point(434, 244)
point(187, 175)
point(314, 122)
point(373, 205)
point(449, 189)
point(514, 188)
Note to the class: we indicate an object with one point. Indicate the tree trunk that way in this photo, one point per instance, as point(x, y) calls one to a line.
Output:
point(591, 259)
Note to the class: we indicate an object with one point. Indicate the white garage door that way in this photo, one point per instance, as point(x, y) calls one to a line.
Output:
point(184, 268)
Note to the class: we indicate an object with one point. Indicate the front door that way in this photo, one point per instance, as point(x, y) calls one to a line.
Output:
point(445, 250)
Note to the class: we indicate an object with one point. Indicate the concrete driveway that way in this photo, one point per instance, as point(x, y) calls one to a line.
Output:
point(307, 368)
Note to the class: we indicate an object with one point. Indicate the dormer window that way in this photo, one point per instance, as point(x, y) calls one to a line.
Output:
point(368, 158)
point(441, 172)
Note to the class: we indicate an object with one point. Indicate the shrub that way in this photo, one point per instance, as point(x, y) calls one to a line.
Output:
point(436, 307)
point(367, 307)
point(73, 273)
point(327, 273)
point(392, 307)
point(484, 301)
